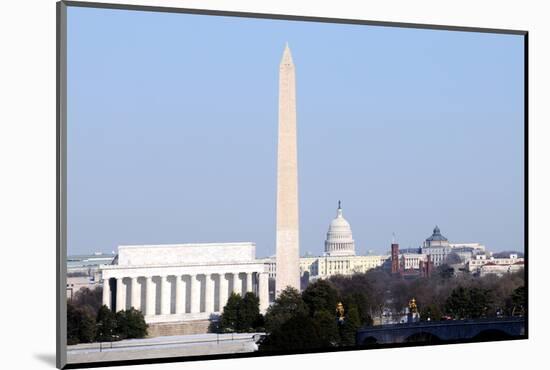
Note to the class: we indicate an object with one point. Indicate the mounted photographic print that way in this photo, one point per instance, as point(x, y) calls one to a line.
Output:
point(235, 184)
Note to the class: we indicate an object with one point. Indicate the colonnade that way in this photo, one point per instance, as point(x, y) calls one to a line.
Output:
point(182, 295)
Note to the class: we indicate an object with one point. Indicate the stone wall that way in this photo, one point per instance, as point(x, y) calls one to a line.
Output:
point(178, 328)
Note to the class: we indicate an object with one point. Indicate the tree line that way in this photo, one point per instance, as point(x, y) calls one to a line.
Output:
point(308, 320)
point(295, 320)
point(240, 315)
point(438, 297)
point(89, 321)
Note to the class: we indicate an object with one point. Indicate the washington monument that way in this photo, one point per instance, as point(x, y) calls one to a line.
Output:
point(287, 242)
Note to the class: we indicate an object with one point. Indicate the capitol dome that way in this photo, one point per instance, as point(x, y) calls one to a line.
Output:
point(339, 240)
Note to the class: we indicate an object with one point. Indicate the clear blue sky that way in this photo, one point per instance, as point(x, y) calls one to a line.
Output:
point(172, 131)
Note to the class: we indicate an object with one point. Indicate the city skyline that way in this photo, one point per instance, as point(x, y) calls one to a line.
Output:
point(134, 176)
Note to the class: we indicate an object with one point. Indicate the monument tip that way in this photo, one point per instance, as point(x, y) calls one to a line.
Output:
point(287, 56)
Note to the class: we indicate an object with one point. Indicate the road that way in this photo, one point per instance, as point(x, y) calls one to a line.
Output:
point(168, 346)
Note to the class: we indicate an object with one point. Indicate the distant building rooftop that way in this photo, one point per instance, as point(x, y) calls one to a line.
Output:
point(89, 260)
point(436, 236)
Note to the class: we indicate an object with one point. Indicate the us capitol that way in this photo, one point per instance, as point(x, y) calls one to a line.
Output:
point(339, 257)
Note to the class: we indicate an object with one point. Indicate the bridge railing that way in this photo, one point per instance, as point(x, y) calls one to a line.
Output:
point(447, 323)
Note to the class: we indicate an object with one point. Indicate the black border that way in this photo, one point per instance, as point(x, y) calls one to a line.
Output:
point(61, 153)
point(526, 172)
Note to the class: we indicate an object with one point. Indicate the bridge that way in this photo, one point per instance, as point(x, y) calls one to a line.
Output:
point(442, 331)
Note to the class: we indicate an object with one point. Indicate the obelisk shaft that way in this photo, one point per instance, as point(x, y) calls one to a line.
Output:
point(287, 243)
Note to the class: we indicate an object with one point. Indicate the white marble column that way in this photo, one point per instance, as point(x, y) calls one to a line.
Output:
point(258, 283)
point(208, 294)
point(264, 291)
point(180, 295)
point(195, 287)
point(164, 296)
point(236, 283)
point(120, 295)
point(223, 291)
point(106, 293)
point(249, 282)
point(149, 297)
point(136, 294)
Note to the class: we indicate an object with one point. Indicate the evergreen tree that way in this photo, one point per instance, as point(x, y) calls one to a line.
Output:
point(73, 324)
point(288, 305)
point(519, 301)
point(87, 328)
point(359, 300)
point(479, 302)
point(106, 324)
point(240, 314)
point(457, 303)
point(121, 324)
point(229, 320)
point(249, 313)
point(348, 328)
point(132, 324)
point(328, 328)
point(321, 295)
point(300, 332)
point(81, 325)
point(468, 303)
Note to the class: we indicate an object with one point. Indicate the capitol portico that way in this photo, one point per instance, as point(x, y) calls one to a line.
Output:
point(183, 282)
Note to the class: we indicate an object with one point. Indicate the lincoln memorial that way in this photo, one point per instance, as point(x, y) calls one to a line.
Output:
point(183, 282)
